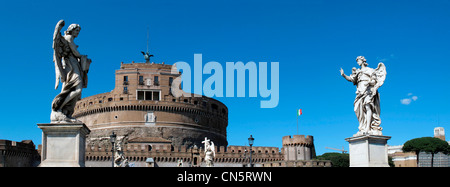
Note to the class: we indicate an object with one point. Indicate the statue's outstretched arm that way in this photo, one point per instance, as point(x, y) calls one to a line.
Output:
point(348, 78)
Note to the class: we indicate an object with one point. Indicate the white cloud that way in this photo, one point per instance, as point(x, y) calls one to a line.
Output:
point(405, 101)
point(385, 59)
point(409, 99)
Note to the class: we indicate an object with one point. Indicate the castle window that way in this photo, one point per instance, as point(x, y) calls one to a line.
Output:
point(148, 95)
point(170, 81)
point(141, 80)
point(110, 99)
point(156, 96)
point(125, 90)
point(140, 95)
point(156, 81)
point(125, 80)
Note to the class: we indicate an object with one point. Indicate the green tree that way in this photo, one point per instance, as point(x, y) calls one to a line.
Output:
point(390, 162)
point(337, 159)
point(428, 145)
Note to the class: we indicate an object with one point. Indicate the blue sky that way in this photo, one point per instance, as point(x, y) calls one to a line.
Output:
point(311, 40)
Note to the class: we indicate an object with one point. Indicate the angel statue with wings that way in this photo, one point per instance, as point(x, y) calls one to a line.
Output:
point(210, 152)
point(71, 68)
point(367, 101)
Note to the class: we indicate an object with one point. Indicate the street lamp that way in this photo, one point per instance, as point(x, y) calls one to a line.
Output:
point(250, 142)
point(112, 138)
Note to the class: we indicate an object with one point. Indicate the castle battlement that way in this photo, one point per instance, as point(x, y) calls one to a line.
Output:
point(144, 65)
point(167, 147)
point(167, 154)
point(18, 154)
point(298, 140)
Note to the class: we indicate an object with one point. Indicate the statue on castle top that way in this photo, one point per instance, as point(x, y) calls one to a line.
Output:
point(367, 101)
point(210, 152)
point(147, 56)
point(71, 68)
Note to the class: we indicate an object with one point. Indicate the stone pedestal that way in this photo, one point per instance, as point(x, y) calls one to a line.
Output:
point(63, 144)
point(368, 151)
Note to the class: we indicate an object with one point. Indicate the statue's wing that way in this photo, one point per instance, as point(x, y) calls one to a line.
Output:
point(213, 149)
point(380, 74)
point(58, 47)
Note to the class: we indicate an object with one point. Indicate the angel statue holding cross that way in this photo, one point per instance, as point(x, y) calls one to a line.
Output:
point(210, 152)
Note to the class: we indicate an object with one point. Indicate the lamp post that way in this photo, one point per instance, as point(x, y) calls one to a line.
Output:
point(250, 142)
point(112, 138)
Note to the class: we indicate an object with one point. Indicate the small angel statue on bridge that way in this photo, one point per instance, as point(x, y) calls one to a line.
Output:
point(210, 152)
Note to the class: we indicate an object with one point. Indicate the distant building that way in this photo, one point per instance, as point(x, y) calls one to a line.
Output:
point(400, 158)
point(409, 159)
point(439, 160)
point(439, 132)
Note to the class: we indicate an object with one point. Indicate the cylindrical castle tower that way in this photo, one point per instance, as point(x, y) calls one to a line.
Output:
point(141, 105)
point(298, 147)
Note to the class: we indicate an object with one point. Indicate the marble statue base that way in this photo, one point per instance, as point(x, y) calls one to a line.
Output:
point(63, 144)
point(368, 151)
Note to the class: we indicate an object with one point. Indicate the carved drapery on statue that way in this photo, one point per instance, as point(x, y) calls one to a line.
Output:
point(71, 69)
point(367, 101)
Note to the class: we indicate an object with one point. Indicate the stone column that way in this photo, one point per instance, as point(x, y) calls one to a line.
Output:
point(63, 144)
